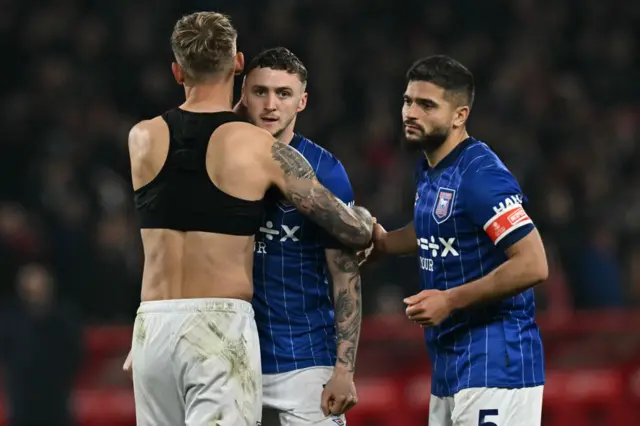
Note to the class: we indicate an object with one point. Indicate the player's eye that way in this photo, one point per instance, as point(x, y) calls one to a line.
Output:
point(426, 105)
point(260, 92)
point(285, 94)
point(406, 101)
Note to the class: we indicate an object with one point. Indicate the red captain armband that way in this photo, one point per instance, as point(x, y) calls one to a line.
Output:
point(505, 222)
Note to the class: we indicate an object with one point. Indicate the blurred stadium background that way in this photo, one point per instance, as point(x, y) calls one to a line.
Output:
point(558, 89)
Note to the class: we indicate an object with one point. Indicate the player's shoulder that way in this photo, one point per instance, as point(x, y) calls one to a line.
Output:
point(483, 172)
point(479, 160)
point(244, 139)
point(145, 127)
point(142, 134)
point(316, 154)
point(244, 131)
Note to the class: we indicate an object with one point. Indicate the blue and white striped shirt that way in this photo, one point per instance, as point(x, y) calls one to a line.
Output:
point(292, 302)
point(469, 209)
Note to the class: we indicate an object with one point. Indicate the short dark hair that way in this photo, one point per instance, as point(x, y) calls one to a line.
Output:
point(279, 58)
point(445, 72)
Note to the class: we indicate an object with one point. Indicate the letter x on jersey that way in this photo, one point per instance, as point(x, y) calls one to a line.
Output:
point(289, 233)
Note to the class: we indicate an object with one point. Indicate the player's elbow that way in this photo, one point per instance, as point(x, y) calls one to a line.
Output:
point(542, 273)
point(365, 240)
point(539, 269)
point(364, 232)
point(533, 259)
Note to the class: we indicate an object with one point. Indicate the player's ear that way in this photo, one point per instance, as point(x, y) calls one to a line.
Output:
point(243, 97)
point(302, 104)
point(178, 73)
point(239, 65)
point(460, 116)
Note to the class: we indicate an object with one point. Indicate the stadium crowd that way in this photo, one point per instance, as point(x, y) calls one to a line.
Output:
point(557, 98)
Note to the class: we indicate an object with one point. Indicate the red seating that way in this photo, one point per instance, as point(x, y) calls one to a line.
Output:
point(593, 374)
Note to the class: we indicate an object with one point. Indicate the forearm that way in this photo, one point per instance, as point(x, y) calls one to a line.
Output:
point(297, 181)
point(348, 323)
point(514, 276)
point(400, 241)
point(340, 221)
point(348, 308)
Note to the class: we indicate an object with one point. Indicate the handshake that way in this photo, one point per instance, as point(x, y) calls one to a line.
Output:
point(376, 244)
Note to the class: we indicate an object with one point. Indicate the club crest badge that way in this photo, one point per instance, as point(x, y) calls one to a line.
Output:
point(443, 205)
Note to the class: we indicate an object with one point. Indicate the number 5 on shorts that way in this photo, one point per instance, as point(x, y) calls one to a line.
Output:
point(484, 414)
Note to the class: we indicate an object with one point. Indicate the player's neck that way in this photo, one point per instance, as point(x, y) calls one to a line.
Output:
point(286, 136)
point(209, 97)
point(454, 139)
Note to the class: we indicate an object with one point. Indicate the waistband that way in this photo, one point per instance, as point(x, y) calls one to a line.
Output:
point(196, 306)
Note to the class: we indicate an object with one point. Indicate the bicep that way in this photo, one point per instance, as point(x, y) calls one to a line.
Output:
point(298, 183)
point(495, 203)
point(530, 256)
point(290, 172)
point(530, 246)
point(147, 154)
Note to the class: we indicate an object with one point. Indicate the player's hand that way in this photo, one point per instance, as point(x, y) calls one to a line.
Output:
point(127, 367)
point(374, 251)
point(428, 308)
point(339, 394)
point(378, 233)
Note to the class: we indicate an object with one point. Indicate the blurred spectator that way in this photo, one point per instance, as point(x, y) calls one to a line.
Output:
point(598, 273)
point(634, 277)
point(40, 348)
point(19, 243)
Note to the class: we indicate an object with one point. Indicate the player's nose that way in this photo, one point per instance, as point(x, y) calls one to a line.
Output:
point(270, 102)
point(409, 113)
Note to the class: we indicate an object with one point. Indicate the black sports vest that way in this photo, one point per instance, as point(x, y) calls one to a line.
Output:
point(182, 196)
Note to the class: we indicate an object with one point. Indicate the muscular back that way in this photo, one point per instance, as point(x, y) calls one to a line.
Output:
point(193, 264)
point(243, 162)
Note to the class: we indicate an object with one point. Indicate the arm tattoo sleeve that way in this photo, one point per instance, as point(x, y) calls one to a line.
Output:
point(348, 304)
point(304, 191)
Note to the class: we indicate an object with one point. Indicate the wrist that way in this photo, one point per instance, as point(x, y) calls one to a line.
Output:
point(341, 369)
point(453, 299)
point(382, 243)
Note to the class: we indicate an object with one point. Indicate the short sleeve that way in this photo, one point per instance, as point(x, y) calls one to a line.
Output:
point(494, 202)
point(335, 179)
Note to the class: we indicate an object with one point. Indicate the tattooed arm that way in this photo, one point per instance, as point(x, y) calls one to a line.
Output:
point(295, 177)
point(339, 394)
point(343, 267)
